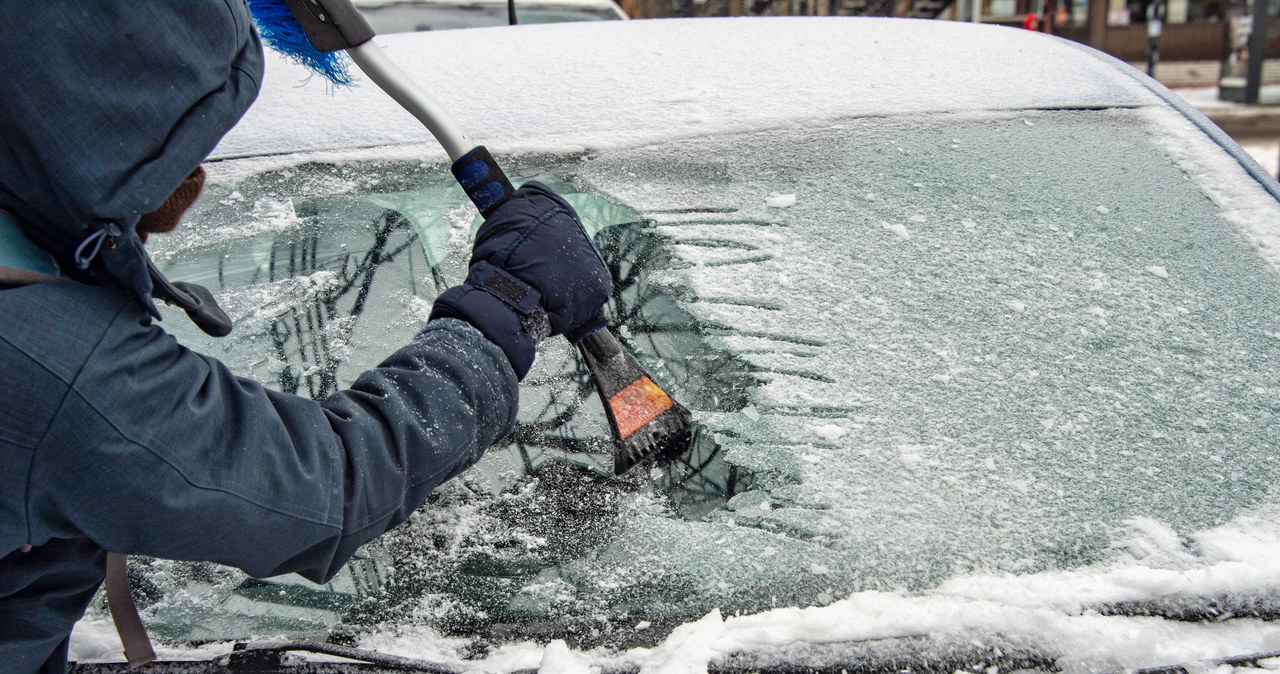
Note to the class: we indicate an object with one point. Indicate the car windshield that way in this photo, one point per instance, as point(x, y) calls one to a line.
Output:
point(407, 17)
point(918, 350)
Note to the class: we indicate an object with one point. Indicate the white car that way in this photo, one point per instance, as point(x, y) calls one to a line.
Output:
point(980, 329)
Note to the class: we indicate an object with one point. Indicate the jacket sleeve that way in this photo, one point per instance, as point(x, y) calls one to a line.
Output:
point(161, 451)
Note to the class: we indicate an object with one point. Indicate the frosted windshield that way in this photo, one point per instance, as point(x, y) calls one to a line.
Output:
point(915, 349)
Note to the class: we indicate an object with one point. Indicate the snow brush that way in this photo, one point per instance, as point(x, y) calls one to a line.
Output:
point(644, 420)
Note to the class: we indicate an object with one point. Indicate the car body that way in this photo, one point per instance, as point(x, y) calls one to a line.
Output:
point(404, 16)
point(980, 329)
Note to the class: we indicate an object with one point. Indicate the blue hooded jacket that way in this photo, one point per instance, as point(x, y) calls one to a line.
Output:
point(114, 437)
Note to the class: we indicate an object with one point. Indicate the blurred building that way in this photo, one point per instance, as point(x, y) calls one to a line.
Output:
point(1212, 33)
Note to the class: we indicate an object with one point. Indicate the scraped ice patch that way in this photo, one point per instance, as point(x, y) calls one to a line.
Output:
point(255, 305)
point(1156, 270)
point(899, 230)
point(776, 200)
point(269, 216)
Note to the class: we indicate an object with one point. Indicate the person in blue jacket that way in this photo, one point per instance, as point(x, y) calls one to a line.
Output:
point(114, 437)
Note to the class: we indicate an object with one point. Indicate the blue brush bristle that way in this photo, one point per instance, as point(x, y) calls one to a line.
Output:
point(282, 33)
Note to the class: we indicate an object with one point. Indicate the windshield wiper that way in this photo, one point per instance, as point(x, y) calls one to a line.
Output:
point(261, 657)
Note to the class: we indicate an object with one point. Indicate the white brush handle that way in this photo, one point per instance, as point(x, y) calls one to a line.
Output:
point(412, 97)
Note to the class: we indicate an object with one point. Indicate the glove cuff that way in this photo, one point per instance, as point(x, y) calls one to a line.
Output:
point(520, 296)
point(494, 318)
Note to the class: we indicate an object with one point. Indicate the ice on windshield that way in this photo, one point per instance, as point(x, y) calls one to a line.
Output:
point(917, 350)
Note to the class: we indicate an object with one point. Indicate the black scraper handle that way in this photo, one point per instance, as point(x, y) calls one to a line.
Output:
point(483, 180)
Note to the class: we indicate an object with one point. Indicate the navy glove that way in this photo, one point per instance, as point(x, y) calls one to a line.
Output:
point(534, 273)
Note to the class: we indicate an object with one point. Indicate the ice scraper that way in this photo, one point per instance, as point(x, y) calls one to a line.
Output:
point(644, 419)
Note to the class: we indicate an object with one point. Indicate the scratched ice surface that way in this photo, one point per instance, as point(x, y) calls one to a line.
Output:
point(915, 348)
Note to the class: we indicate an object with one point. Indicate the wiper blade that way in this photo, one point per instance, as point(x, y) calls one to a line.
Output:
point(267, 654)
point(264, 657)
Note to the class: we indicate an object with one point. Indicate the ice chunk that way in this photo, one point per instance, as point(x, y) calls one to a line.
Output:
point(558, 659)
point(1103, 210)
point(750, 500)
point(830, 432)
point(899, 230)
point(1156, 270)
point(777, 200)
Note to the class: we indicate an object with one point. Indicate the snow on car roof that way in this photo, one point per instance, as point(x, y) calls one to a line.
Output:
point(553, 86)
point(559, 3)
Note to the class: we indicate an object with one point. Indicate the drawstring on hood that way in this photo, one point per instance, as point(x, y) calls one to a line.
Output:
point(109, 233)
point(107, 107)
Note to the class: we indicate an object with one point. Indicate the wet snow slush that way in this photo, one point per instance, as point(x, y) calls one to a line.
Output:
point(958, 407)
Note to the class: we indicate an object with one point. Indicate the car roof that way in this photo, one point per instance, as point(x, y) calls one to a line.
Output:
point(455, 3)
point(552, 86)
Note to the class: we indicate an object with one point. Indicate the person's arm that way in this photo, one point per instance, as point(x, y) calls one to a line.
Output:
point(161, 451)
point(158, 450)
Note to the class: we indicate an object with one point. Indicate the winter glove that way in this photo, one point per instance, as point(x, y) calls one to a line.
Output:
point(534, 273)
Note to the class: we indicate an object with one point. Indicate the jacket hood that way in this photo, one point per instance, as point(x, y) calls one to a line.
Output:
point(106, 107)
